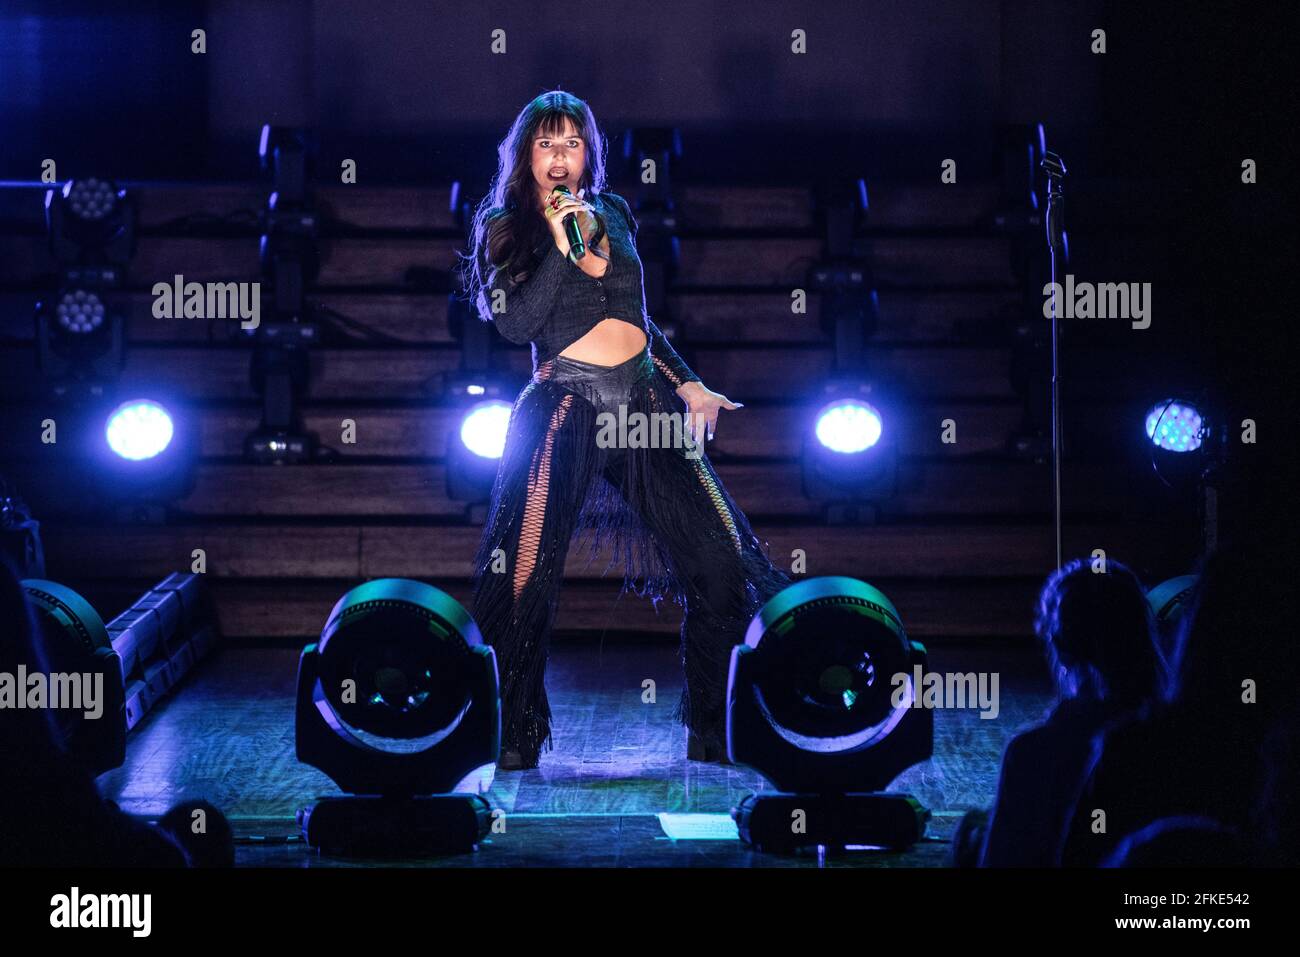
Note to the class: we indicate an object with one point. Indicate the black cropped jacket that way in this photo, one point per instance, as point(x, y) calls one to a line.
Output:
point(559, 303)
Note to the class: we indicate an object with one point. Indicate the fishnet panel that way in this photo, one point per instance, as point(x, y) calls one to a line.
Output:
point(539, 481)
point(715, 494)
point(667, 372)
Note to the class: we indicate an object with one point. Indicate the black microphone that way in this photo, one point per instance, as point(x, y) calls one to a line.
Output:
point(572, 232)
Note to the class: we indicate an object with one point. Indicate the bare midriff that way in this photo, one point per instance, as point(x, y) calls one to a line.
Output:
point(609, 342)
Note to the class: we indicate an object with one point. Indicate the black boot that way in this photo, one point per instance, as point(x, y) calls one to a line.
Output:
point(521, 749)
point(512, 760)
point(699, 748)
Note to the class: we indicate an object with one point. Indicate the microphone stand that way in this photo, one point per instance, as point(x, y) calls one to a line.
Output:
point(1054, 167)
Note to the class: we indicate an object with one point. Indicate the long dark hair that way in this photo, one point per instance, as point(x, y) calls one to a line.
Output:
point(508, 224)
point(1099, 635)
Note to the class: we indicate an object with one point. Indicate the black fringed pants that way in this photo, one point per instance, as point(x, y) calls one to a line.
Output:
point(647, 500)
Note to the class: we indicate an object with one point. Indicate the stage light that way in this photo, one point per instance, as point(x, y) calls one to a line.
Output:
point(81, 659)
point(822, 702)
point(115, 460)
point(140, 454)
point(137, 658)
point(483, 429)
point(288, 328)
point(1193, 450)
point(1022, 148)
point(90, 199)
point(475, 445)
point(161, 638)
point(1169, 601)
point(848, 426)
point(90, 222)
point(80, 331)
point(1174, 426)
point(139, 429)
point(397, 702)
point(850, 452)
point(79, 311)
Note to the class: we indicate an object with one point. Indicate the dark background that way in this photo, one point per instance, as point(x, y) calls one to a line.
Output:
point(415, 88)
point(1153, 131)
point(412, 92)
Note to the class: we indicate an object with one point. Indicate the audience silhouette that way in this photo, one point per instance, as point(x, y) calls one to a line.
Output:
point(1103, 653)
point(1218, 750)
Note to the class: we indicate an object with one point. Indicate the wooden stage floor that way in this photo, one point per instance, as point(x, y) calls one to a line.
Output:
point(596, 800)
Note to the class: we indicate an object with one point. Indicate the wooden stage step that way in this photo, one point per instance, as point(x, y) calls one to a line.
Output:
point(430, 552)
point(253, 610)
point(929, 488)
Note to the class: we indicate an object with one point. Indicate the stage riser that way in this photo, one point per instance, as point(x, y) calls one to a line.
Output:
point(755, 373)
point(389, 262)
point(357, 552)
point(1094, 203)
point(928, 489)
point(250, 611)
point(906, 316)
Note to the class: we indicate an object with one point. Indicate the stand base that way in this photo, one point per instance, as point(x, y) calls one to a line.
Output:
point(396, 827)
point(783, 823)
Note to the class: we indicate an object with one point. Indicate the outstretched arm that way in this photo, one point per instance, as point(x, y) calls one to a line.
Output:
point(702, 403)
point(672, 365)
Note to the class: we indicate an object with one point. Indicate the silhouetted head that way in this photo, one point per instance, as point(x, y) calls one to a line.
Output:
point(203, 831)
point(1182, 842)
point(1236, 641)
point(1099, 635)
point(1275, 817)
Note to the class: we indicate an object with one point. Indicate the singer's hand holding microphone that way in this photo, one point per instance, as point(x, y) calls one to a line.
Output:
point(563, 211)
